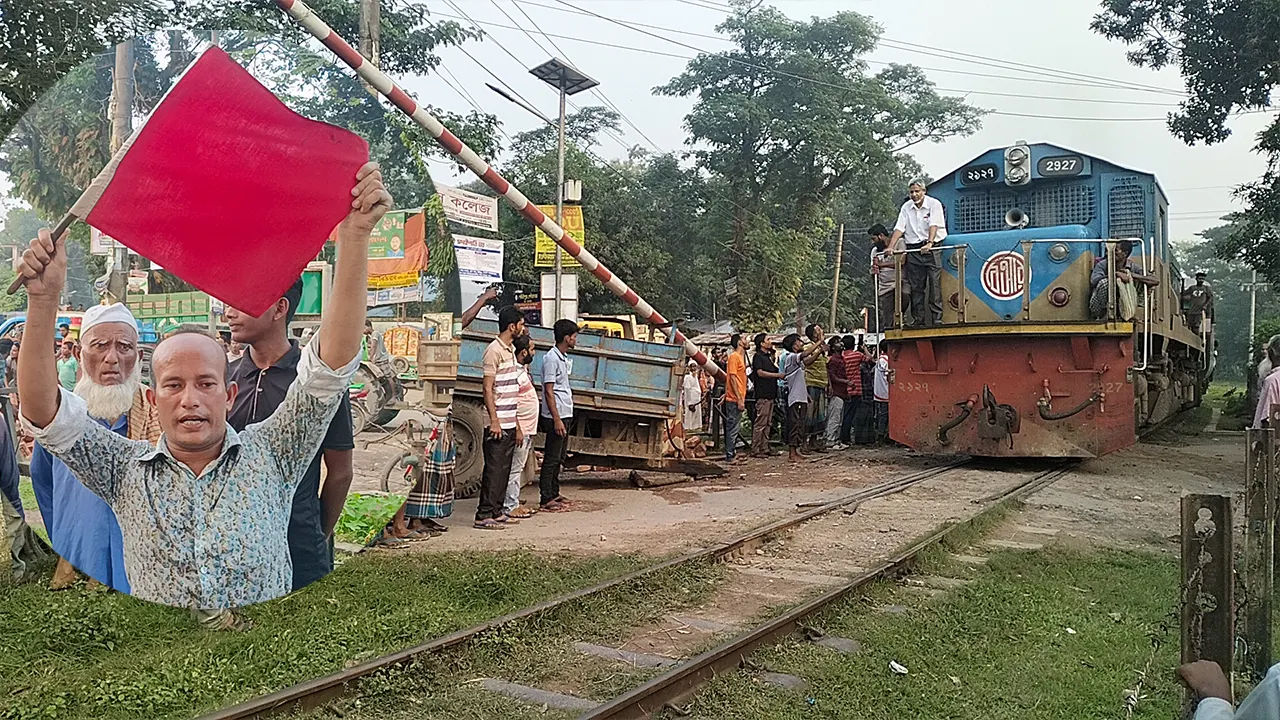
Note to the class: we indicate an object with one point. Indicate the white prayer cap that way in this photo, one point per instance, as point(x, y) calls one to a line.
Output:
point(114, 313)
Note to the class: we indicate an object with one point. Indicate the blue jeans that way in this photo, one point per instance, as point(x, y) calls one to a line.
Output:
point(732, 421)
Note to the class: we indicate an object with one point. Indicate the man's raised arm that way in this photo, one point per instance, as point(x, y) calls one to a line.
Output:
point(342, 319)
point(44, 265)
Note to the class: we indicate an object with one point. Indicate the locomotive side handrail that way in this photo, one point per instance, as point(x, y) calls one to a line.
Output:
point(899, 258)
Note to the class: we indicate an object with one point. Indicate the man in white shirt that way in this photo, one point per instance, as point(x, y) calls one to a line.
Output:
point(1269, 392)
point(1213, 692)
point(922, 225)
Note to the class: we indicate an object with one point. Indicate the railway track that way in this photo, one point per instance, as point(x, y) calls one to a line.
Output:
point(317, 692)
point(664, 692)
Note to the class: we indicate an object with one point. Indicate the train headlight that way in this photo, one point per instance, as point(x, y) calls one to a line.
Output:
point(954, 300)
point(953, 259)
point(1059, 297)
point(1059, 252)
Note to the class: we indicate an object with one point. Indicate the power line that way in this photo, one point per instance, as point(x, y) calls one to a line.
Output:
point(989, 61)
point(595, 90)
point(521, 63)
point(874, 62)
point(815, 81)
point(1041, 79)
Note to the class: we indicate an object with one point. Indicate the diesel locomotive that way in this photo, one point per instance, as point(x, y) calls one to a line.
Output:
point(1019, 365)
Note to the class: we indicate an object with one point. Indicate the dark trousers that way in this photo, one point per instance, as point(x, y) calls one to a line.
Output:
point(497, 470)
point(732, 426)
point(887, 309)
point(716, 395)
point(553, 453)
point(864, 422)
point(797, 418)
point(882, 421)
point(851, 404)
point(924, 275)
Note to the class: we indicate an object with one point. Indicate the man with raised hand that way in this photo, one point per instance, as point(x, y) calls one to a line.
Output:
point(205, 512)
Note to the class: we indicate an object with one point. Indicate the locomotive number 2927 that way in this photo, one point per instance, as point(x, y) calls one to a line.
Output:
point(913, 387)
point(1060, 166)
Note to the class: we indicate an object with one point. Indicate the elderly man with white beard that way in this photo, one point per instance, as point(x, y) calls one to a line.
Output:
point(82, 528)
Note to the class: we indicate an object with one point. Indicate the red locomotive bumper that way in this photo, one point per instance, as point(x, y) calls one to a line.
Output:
point(1022, 396)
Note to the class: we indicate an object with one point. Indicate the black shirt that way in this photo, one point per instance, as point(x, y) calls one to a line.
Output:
point(766, 388)
point(260, 393)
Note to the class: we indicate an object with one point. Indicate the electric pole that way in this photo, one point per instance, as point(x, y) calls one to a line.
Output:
point(122, 97)
point(1253, 287)
point(371, 35)
point(835, 290)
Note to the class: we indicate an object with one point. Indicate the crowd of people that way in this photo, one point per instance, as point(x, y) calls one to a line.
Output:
point(816, 394)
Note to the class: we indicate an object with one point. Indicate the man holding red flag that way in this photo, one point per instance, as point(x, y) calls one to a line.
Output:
point(204, 512)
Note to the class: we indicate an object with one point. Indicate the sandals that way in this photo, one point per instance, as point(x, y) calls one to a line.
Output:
point(554, 506)
point(507, 520)
point(489, 524)
point(521, 513)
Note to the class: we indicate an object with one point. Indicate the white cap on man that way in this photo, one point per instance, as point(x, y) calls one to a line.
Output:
point(99, 314)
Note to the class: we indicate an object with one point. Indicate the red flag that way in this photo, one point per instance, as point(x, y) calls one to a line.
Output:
point(226, 187)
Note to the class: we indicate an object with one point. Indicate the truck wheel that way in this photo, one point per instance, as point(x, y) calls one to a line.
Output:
point(469, 423)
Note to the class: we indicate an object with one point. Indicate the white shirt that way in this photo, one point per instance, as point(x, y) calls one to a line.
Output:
point(1261, 704)
point(882, 379)
point(1268, 395)
point(914, 222)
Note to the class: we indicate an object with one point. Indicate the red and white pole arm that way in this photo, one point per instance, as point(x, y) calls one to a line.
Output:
point(398, 97)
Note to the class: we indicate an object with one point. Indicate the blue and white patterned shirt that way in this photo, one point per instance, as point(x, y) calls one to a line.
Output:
point(218, 540)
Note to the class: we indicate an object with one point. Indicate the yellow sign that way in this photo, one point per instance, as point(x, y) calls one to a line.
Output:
point(393, 280)
point(544, 248)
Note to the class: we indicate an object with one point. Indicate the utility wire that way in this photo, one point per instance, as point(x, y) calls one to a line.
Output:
point(821, 82)
point(1092, 82)
point(595, 90)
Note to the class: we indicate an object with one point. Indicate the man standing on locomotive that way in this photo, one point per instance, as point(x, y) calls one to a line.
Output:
point(1129, 274)
point(922, 224)
point(1197, 303)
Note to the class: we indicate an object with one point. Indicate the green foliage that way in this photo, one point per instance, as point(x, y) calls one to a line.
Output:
point(1227, 55)
point(997, 648)
point(364, 516)
point(785, 120)
point(1231, 301)
point(77, 654)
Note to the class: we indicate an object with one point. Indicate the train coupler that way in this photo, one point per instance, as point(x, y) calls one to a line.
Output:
point(997, 421)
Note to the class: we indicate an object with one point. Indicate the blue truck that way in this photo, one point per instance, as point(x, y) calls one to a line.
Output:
point(625, 396)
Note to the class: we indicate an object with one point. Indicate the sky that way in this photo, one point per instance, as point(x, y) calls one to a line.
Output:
point(1052, 34)
point(962, 45)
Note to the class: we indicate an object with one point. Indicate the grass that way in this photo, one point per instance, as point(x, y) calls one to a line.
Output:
point(537, 652)
point(76, 654)
point(28, 497)
point(998, 648)
point(1231, 398)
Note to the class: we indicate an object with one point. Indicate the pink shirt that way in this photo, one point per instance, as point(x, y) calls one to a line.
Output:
point(1269, 396)
point(527, 404)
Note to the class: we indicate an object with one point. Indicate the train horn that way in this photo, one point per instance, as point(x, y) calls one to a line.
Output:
point(1017, 219)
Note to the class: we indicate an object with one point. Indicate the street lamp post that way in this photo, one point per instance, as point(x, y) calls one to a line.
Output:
point(568, 81)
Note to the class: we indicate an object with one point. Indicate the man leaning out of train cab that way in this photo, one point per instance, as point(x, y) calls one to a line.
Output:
point(1129, 274)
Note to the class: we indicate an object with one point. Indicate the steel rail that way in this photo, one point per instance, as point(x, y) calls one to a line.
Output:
point(682, 681)
point(313, 693)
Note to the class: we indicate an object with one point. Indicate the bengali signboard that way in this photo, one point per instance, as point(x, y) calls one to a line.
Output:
point(468, 208)
point(395, 295)
point(544, 248)
point(387, 239)
point(393, 280)
point(479, 265)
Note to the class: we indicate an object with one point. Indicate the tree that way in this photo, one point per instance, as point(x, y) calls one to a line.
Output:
point(787, 119)
point(63, 140)
point(1227, 54)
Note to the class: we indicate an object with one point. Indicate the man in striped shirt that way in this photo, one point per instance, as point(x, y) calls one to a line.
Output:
point(501, 394)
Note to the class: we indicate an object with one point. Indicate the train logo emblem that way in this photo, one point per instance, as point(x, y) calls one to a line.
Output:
point(1004, 275)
